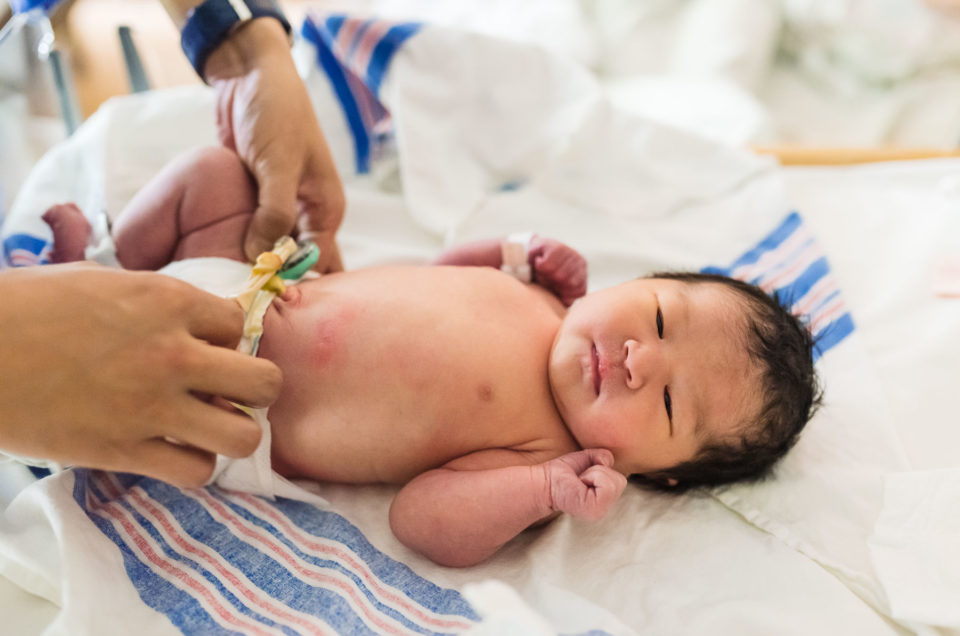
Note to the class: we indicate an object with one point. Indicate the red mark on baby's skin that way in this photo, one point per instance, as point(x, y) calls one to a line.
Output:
point(325, 342)
point(329, 334)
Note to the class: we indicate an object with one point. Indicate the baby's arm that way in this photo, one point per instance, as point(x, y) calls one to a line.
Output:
point(461, 514)
point(200, 204)
point(555, 266)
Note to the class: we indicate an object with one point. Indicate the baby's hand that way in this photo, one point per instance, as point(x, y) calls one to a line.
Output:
point(583, 483)
point(559, 268)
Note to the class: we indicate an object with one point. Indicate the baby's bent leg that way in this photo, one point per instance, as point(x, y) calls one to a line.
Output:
point(198, 205)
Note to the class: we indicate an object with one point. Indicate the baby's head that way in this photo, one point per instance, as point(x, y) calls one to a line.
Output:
point(689, 379)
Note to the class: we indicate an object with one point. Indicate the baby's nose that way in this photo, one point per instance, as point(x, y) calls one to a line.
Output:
point(640, 361)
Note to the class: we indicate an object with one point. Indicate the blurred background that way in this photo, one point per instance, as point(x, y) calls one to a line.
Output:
point(794, 74)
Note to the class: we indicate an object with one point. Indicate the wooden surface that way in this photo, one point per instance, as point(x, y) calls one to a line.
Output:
point(799, 156)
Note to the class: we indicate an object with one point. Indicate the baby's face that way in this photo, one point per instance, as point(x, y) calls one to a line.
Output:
point(652, 369)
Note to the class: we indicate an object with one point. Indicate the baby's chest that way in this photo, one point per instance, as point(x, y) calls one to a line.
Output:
point(461, 370)
point(442, 393)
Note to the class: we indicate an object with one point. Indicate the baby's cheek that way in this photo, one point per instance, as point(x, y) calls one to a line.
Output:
point(598, 432)
point(618, 439)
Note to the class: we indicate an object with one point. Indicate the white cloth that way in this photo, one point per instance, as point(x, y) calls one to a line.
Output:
point(253, 474)
point(916, 547)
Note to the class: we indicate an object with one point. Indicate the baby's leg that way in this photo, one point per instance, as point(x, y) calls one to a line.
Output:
point(71, 232)
point(198, 205)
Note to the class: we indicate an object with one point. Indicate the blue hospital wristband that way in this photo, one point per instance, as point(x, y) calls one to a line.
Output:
point(210, 23)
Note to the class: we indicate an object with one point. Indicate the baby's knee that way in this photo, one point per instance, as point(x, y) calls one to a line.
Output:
point(218, 177)
point(215, 164)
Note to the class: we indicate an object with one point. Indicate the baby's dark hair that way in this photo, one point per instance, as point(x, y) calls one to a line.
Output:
point(782, 348)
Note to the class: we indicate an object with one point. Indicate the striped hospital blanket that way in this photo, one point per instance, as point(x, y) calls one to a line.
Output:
point(790, 265)
point(218, 562)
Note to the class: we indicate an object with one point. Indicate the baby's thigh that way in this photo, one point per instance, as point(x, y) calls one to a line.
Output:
point(216, 186)
point(218, 201)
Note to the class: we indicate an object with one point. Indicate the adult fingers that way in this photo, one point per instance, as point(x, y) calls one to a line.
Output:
point(224, 113)
point(212, 429)
point(216, 320)
point(177, 464)
point(232, 375)
point(330, 259)
point(322, 205)
point(275, 215)
point(334, 261)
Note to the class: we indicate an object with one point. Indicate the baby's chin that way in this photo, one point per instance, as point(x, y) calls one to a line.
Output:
point(558, 403)
point(290, 297)
point(275, 317)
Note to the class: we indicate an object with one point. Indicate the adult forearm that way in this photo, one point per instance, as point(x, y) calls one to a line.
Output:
point(461, 518)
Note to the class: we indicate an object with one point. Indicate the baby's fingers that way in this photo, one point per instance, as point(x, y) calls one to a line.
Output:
point(605, 479)
point(581, 460)
point(605, 486)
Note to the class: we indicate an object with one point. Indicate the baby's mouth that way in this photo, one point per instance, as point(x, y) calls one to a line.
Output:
point(595, 368)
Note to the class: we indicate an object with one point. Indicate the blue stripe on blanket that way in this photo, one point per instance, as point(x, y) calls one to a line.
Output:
point(775, 238)
point(355, 55)
point(383, 53)
point(214, 561)
point(21, 250)
point(788, 264)
point(336, 74)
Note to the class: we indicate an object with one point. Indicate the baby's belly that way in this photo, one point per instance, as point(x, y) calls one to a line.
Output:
point(391, 372)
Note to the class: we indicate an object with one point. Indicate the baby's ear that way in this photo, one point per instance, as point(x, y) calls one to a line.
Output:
point(660, 480)
point(663, 481)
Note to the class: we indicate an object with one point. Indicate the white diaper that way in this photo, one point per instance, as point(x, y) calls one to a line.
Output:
point(227, 278)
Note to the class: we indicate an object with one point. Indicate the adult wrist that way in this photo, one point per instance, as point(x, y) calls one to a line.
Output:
point(244, 47)
point(234, 32)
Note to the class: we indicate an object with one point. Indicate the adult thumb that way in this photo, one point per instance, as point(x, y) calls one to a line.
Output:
point(276, 213)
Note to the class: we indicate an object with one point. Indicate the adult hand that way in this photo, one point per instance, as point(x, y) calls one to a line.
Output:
point(265, 115)
point(115, 370)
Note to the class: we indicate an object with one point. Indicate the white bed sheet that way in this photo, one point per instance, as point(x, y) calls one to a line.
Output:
point(886, 227)
point(774, 588)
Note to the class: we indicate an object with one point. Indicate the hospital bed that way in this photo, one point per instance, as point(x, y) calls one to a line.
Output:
point(853, 534)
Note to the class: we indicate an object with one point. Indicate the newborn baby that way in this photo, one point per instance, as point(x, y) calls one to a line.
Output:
point(495, 404)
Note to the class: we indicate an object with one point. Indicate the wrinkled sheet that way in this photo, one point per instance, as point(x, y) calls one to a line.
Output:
point(789, 556)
